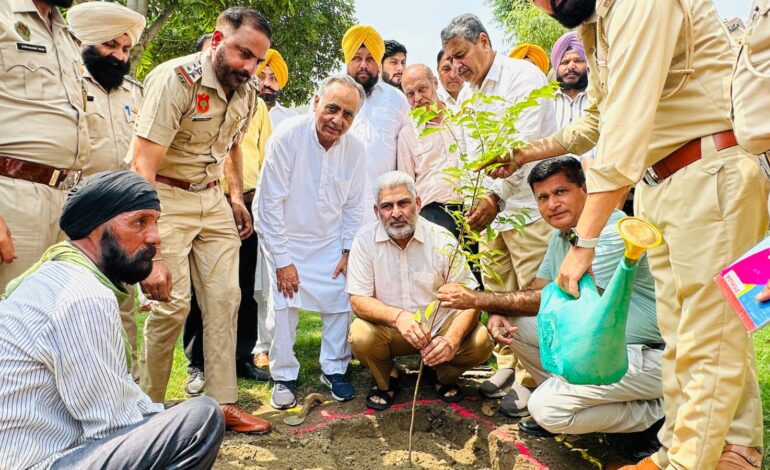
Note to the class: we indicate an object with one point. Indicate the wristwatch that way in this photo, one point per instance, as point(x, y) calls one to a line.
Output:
point(345, 251)
point(499, 202)
point(576, 240)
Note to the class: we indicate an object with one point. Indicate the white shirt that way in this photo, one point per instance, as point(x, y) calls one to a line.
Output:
point(63, 375)
point(444, 96)
point(513, 80)
point(569, 110)
point(307, 210)
point(377, 125)
point(408, 278)
point(278, 114)
point(425, 159)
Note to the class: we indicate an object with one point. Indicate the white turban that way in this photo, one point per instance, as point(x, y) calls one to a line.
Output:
point(100, 22)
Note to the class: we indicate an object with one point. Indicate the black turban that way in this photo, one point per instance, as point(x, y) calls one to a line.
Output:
point(101, 197)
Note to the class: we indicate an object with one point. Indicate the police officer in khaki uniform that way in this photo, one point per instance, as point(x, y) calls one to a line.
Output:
point(45, 141)
point(107, 32)
point(660, 81)
point(189, 128)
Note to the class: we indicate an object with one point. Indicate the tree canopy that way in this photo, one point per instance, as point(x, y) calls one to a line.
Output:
point(524, 22)
point(307, 33)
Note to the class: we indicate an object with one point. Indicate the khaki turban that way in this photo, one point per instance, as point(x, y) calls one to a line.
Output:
point(363, 35)
point(277, 65)
point(534, 53)
point(100, 22)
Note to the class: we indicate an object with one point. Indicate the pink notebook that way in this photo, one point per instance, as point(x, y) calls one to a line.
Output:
point(743, 280)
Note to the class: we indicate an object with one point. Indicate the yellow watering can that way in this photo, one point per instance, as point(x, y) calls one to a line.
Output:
point(583, 340)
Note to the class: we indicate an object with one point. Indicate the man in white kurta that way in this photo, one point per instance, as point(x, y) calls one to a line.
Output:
point(307, 212)
point(385, 110)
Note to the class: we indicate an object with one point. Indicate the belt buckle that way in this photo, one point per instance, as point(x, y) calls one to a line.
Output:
point(198, 187)
point(650, 177)
point(764, 163)
point(70, 181)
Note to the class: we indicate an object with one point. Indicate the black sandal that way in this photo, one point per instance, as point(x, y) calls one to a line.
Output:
point(383, 395)
point(444, 389)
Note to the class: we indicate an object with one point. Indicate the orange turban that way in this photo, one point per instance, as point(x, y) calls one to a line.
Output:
point(277, 65)
point(534, 53)
point(363, 35)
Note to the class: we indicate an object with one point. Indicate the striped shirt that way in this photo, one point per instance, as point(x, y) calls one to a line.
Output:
point(569, 110)
point(63, 375)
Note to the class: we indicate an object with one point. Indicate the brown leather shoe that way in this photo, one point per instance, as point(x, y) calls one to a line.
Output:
point(645, 464)
point(238, 420)
point(736, 457)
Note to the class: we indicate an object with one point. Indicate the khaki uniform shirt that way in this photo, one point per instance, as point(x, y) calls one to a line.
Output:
point(42, 95)
point(185, 109)
point(110, 122)
point(637, 52)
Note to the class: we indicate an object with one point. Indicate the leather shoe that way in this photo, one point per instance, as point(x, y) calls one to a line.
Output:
point(530, 426)
point(644, 464)
point(238, 420)
point(736, 457)
point(247, 370)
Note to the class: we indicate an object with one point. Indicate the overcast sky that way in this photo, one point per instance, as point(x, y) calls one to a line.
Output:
point(417, 23)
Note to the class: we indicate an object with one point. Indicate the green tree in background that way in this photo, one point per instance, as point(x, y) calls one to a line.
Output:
point(306, 32)
point(524, 22)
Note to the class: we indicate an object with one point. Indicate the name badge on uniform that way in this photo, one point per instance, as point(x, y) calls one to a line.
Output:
point(201, 118)
point(23, 46)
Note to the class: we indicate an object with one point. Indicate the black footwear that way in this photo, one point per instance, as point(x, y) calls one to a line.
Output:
point(247, 370)
point(385, 395)
point(530, 426)
point(443, 393)
point(635, 446)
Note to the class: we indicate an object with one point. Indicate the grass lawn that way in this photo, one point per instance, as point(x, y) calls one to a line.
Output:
point(309, 342)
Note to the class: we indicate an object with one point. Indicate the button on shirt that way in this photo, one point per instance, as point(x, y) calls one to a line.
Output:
point(639, 123)
point(569, 110)
point(185, 109)
point(408, 279)
point(425, 159)
point(63, 375)
point(42, 95)
point(110, 118)
point(377, 124)
point(513, 80)
point(642, 326)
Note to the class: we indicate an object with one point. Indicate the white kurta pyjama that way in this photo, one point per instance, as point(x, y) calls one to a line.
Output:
point(307, 210)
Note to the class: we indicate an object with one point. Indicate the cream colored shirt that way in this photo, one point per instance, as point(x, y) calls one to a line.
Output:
point(408, 278)
point(185, 109)
point(42, 94)
point(513, 80)
point(110, 122)
point(425, 159)
point(636, 58)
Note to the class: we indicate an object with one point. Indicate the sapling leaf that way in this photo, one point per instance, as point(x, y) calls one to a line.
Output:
point(417, 316)
point(429, 310)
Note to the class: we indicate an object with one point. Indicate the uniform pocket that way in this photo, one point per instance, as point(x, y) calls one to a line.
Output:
point(97, 124)
point(27, 75)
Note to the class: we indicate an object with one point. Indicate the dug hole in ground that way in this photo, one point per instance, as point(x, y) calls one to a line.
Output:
point(459, 436)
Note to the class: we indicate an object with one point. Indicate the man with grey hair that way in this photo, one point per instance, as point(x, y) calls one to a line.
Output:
point(396, 265)
point(515, 255)
point(307, 209)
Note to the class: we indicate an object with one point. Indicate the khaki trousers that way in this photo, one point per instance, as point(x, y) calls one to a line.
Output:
point(709, 213)
point(199, 242)
point(376, 346)
point(517, 263)
point(632, 404)
point(32, 213)
point(128, 320)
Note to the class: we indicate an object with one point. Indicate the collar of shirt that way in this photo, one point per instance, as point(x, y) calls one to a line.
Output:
point(87, 75)
point(209, 78)
point(566, 96)
point(382, 236)
point(28, 6)
point(493, 75)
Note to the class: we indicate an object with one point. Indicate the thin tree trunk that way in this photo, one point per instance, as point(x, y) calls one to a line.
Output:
point(149, 33)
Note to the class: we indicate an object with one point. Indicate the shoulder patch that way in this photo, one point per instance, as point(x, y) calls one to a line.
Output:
point(131, 79)
point(190, 73)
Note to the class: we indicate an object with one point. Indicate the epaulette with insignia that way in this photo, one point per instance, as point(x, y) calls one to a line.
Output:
point(190, 73)
point(131, 79)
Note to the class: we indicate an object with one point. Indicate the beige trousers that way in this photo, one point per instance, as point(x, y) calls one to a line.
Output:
point(376, 346)
point(32, 213)
point(199, 242)
point(517, 263)
point(128, 320)
point(631, 405)
point(709, 213)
